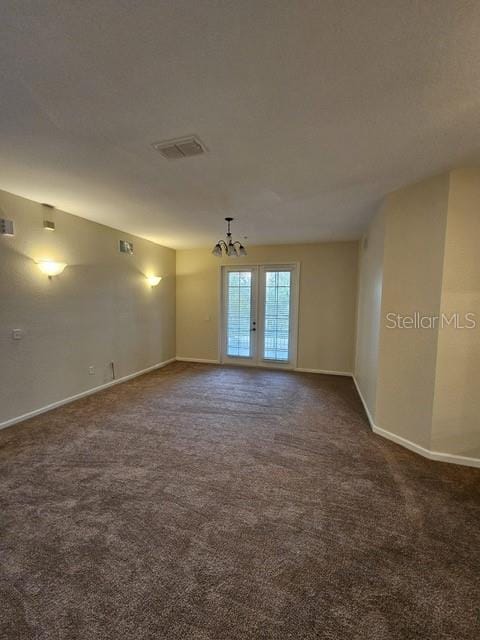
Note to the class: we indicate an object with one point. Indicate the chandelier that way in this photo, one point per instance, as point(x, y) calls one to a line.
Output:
point(228, 247)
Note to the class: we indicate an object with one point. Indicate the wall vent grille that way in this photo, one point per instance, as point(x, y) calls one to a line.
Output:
point(7, 227)
point(180, 148)
point(126, 247)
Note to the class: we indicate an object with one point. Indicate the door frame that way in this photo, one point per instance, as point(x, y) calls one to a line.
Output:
point(295, 315)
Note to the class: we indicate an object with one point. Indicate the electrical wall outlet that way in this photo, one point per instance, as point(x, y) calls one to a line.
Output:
point(17, 334)
point(91, 371)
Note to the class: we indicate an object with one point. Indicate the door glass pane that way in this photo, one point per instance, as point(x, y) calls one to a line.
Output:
point(239, 302)
point(277, 315)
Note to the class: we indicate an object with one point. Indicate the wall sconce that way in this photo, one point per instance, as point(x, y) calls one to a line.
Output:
point(50, 268)
point(153, 280)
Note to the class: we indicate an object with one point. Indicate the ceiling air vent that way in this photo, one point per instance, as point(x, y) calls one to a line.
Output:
point(180, 148)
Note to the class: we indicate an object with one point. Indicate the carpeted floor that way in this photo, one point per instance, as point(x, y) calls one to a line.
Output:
point(202, 502)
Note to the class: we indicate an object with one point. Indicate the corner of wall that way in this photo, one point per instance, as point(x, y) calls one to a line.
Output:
point(396, 392)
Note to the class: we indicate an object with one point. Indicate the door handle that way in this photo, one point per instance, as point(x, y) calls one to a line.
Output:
point(253, 329)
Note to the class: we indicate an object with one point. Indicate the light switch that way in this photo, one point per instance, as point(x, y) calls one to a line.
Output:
point(17, 334)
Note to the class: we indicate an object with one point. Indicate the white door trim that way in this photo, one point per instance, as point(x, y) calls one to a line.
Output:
point(295, 318)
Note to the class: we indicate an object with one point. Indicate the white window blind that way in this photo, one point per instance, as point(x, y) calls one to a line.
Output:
point(239, 302)
point(277, 315)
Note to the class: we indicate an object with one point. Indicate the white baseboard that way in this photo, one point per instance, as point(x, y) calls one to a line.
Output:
point(412, 446)
point(365, 406)
point(200, 360)
point(324, 371)
point(427, 453)
point(83, 394)
point(268, 366)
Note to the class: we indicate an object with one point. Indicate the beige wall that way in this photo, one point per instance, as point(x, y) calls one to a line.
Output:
point(370, 281)
point(328, 280)
point(456, 418)
point(412, 282)
point(401, 272)
point(421, 384)
point(99, 310)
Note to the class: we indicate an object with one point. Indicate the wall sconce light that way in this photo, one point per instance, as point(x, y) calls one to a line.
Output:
point(153, 280)
point(50, 268)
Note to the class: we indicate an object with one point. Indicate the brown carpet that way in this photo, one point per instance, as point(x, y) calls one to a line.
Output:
point(205, 502)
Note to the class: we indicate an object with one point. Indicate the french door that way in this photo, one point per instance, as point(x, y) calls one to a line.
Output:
point(259, 315)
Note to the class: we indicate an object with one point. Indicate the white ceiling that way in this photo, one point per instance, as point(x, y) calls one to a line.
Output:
point(312, 111)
